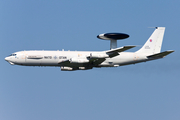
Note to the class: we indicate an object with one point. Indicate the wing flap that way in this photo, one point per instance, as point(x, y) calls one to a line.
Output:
point(161, 55)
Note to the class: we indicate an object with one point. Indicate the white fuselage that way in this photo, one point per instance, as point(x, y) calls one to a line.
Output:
point(53, 58)
point(84, 60)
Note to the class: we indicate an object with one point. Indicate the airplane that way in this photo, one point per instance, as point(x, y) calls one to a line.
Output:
point(85, 60)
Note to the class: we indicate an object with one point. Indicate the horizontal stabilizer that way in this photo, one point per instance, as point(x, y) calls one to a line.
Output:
point(161, 55)
point(115, 52)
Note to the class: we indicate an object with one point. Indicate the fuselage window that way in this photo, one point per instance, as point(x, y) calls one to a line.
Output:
point(13, 55)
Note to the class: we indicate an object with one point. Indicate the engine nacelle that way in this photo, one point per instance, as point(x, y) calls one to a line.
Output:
point(99, 55)
point(66, 69)
point(79, 60)
point(85, 68)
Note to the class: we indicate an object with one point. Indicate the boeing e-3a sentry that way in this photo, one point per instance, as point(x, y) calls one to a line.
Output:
point(84, 60)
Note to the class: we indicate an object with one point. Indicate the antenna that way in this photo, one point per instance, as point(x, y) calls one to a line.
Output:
point(113, 37)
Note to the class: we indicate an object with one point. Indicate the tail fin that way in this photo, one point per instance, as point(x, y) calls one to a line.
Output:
point(153, 44)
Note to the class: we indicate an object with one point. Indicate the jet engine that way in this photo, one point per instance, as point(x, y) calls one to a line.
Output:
point(84, 68)
point(99, 55)
point(67, 69)
point(79, 60)
point(64, 68)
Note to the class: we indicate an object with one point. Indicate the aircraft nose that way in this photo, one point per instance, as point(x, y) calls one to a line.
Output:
point(7, 58)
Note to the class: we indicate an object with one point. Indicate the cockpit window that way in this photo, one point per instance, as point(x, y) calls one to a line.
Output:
point(13, 55)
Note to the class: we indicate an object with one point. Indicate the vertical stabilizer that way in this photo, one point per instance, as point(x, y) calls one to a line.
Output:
point(153, 44)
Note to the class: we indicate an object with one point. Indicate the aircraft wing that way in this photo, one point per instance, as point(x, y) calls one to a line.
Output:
point(92, 61)
point(115, 52)
point(96, 61)
point(161, 55)
point(64, 63)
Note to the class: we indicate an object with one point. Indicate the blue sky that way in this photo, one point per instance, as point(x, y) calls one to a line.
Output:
point(135, 92)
